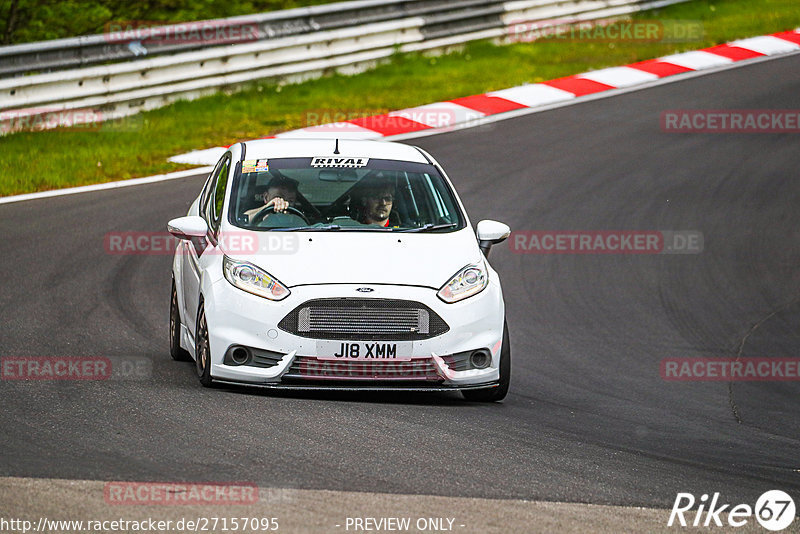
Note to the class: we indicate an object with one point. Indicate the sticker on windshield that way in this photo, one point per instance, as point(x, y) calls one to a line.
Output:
point(255, 165)
point(339, 162)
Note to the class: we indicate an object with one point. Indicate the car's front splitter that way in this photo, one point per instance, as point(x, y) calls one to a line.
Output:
point(367, 387)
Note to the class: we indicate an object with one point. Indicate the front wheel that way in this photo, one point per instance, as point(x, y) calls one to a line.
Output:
point(497, 393)
point(175, 349)
point(202, 349)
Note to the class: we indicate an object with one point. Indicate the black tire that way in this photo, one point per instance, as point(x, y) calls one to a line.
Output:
point(497, 393)
point(202, 349)
point(175, 350)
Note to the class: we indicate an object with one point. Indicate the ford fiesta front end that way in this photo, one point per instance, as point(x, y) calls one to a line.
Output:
point(346, 265)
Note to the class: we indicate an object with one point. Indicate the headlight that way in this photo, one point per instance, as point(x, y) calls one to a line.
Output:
point(250, 278)
point(469, 281)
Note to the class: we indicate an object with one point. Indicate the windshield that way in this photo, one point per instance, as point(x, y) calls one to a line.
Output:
point(314, 194)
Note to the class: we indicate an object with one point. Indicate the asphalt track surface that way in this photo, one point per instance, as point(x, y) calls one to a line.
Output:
point(588, 417)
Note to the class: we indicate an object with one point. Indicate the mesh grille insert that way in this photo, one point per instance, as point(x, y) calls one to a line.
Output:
point(364, 319)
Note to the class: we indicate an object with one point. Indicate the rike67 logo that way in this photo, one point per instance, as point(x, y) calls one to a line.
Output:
point(774, 510)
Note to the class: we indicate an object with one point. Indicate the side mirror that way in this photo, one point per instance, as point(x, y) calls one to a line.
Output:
point(188, 227)
point(490, 233)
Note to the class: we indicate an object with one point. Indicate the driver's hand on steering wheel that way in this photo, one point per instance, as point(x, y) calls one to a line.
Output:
point(278, 204)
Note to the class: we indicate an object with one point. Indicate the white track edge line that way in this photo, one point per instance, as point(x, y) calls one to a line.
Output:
point(107, 185)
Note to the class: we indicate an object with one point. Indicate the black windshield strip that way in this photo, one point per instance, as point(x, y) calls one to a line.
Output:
point(381, 164)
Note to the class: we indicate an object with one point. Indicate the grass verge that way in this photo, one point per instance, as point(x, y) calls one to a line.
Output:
point(37, 161)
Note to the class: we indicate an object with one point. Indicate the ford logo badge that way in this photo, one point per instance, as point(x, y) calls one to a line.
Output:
point(365, 290)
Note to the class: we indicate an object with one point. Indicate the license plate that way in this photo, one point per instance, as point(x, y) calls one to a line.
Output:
point(363, 350)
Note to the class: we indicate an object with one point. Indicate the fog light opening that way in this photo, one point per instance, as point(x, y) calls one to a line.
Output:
point(240, 355)
point(480, 359)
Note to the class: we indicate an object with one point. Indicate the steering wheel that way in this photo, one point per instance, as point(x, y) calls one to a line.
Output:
point(265, 212)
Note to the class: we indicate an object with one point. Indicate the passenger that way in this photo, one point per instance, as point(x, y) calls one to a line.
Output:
point(375, 202)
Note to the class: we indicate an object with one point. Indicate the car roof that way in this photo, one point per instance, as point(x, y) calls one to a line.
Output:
point(308, 148)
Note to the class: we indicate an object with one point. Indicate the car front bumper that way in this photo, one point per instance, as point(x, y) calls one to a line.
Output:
point(237, 318)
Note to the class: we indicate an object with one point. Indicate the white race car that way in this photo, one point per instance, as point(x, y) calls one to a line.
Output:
point(337, 264)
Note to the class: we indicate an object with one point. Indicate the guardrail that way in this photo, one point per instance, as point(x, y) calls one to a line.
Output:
point(126, 42)
point(347, 37)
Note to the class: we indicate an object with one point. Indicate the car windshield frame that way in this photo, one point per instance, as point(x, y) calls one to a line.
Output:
point(442, 195)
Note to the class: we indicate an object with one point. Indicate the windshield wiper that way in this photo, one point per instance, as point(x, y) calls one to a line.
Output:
point(365, 229)
point(336, 227)
point(307, 228)
point(331, 227)
point(428, 227)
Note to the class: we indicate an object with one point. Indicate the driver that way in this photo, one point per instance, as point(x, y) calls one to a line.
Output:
point(375, 202)
point(280, 194)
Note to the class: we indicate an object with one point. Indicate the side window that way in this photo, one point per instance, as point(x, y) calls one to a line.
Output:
point(214, 193)
point(218, 195)
point(212, 177)
point(208, 190)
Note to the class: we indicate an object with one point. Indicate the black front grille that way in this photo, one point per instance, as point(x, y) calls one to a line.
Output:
point(309, 368)
point(363, 320)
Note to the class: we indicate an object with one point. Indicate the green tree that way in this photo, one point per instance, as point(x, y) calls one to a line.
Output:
point(24, 21)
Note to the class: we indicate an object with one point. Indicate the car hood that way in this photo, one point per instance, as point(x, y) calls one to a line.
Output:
point(341, 257)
